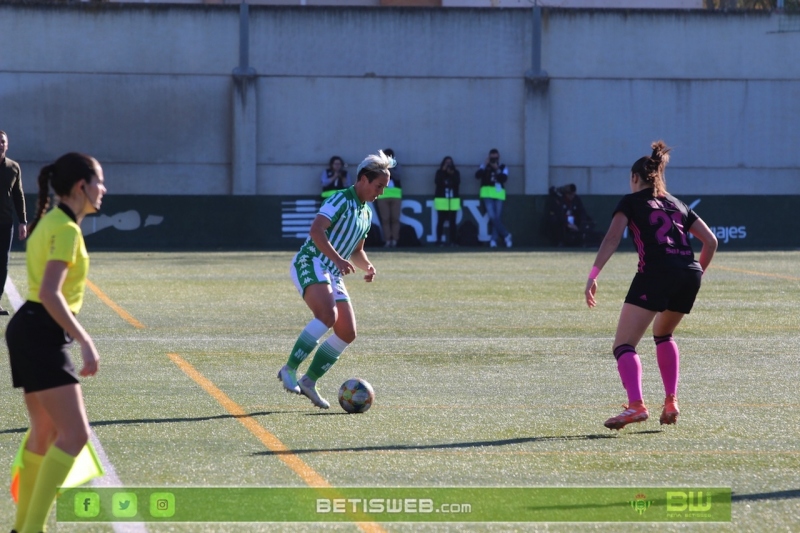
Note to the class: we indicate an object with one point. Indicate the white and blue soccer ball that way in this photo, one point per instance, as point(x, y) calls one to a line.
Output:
point(356, 395)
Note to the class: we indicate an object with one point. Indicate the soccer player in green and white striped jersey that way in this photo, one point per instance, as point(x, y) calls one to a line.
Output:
point(334, 248)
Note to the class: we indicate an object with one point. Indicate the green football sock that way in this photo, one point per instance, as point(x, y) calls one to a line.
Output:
point(55, 467)
point(306, 342)
point(326, 356)
point(27, 480)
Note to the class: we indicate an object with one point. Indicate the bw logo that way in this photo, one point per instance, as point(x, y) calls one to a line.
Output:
point(679, 501)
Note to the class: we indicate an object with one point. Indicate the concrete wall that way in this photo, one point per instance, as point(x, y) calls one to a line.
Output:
point(146, 90)
point(149, 90)
point(377, 81)
point(719, 88)
point(524, 4)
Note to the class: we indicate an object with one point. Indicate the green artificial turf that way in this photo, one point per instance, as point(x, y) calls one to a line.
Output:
point(488, 370)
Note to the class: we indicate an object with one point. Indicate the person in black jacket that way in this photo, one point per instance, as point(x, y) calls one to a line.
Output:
point(13, 199)
point(334, 178)
point(446, 201)
point(566, 221)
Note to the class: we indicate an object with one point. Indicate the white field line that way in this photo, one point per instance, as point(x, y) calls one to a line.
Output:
point(405, 340)
point(111, 479)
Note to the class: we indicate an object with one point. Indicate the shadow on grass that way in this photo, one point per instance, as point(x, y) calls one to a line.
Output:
point(761, 496)
point(137, 421)
point(445, 446)
point(777, 495)
point(173, 420)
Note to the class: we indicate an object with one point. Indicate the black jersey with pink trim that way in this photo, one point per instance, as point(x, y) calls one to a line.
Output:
point(660, 230)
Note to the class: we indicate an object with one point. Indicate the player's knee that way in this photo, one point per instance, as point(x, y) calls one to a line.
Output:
point(41, 438)
point(78, 436)
point(72, 439)
point(658, 339)
point(328, 317)
point(348, 336)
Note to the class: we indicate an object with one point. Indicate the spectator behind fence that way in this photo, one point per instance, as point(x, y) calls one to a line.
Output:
point(334, 178)
point(13, 201)
point(447, 201)
point(566, 221)
point(389, 206)
point(493, 176)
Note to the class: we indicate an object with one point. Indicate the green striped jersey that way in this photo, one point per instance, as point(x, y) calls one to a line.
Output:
point(350, 222)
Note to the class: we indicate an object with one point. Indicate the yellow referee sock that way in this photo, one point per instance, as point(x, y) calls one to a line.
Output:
point(27, 480)
point(55, 467)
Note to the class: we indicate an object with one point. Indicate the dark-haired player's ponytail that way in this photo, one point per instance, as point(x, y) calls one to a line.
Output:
point(650, 169)
point(43, 197)
point(658, 162)
point(61, 176)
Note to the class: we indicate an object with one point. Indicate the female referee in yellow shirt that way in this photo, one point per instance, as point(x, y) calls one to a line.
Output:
point(40, 332)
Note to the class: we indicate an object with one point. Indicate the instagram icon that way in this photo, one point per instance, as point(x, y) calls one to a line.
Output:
point(162, 504)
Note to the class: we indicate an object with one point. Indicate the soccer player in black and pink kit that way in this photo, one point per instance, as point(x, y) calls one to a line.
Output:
point(665, 285)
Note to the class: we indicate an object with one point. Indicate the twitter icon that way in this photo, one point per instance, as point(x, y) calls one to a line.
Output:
point(123, 504)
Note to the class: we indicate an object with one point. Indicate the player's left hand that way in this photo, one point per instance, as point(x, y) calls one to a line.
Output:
point(591, 289)
point(370, 275)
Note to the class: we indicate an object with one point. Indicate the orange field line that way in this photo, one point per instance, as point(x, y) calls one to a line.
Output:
point(756, 273)
point(298, 466)
point(109, 302)
point(306, 473)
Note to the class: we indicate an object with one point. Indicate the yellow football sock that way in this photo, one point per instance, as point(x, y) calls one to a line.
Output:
point(27, 480)
point(55, 467)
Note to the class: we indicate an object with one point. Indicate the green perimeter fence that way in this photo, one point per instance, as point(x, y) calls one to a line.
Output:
point(130, 222)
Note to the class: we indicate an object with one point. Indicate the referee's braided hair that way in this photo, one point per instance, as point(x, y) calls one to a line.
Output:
point(375, 165)
point(651, 168)
point(67, 170)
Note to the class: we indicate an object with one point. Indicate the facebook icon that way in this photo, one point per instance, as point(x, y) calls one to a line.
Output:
point(87, 504)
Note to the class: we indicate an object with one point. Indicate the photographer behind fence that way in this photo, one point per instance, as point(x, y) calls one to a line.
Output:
point(566, 221)
point(334, 178)
point(446, 200)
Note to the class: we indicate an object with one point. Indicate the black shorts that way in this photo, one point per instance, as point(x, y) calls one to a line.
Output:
point(669, 290)
point(38, 350)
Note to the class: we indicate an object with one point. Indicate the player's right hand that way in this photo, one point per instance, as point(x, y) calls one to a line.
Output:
point(591, 289)
point(345, 266)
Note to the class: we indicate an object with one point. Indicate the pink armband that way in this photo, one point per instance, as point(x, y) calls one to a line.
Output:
point(594, 273)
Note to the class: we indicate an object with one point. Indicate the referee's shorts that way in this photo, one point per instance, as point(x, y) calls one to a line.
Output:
point(38, 350)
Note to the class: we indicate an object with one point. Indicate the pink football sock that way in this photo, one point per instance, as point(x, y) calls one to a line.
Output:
point(668, 362)
point(630, 371)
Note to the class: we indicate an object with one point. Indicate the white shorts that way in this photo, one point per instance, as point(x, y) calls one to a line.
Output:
point(307, 270)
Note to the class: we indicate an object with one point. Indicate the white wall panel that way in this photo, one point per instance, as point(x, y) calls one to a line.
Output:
point(148, 90)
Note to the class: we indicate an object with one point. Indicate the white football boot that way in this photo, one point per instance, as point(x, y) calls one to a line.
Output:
point(288, 377)
point(309, 389)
